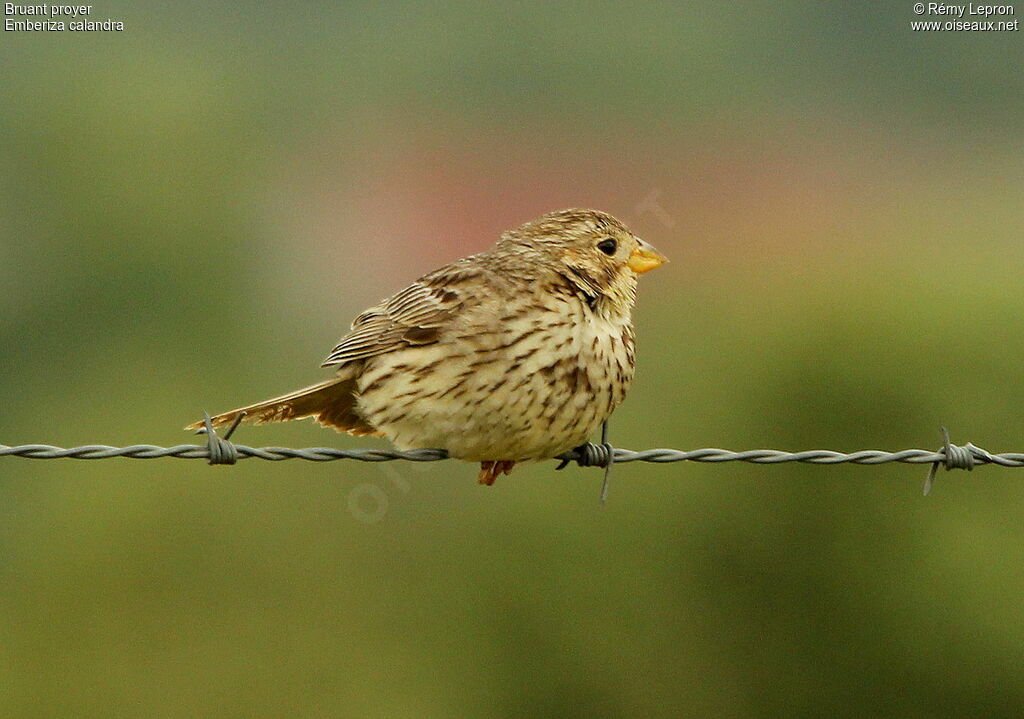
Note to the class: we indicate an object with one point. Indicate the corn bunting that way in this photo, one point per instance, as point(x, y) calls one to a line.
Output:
point(514, 354)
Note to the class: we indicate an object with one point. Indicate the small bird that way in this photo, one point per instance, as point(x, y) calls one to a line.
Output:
point(511, 355)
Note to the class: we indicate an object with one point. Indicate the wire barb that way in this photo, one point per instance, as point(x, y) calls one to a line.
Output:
point(588, 455)
point(609, 460)
point(592, 455)
point(220, 450)
point(955, 457)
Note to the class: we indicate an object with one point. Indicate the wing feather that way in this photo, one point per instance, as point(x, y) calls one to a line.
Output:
point(410, 317)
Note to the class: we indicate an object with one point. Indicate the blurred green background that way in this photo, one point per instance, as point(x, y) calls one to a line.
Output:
point(192, 211)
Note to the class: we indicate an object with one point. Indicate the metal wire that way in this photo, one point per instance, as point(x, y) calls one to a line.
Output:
point(218, 451)
point(619, 455)
point(198, 451)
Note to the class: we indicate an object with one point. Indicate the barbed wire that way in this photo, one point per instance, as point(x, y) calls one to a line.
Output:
point(220, 450)
point(619, 456)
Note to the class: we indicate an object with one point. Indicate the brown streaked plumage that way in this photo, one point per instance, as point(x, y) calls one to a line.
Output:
point(514, 354)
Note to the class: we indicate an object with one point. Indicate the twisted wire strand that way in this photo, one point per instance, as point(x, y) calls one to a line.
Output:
point(221, 450)
point(197, 451)
point(957, 459)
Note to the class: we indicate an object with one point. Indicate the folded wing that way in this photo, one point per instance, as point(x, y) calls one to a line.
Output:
point(414, 316)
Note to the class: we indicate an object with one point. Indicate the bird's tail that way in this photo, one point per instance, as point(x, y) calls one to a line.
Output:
point(332, 403)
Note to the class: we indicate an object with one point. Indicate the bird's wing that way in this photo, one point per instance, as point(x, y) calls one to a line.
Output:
point(414, 316)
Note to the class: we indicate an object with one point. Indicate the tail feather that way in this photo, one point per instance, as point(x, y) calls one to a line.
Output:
point(332, 403)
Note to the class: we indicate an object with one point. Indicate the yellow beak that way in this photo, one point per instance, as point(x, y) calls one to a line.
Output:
point(645, 258)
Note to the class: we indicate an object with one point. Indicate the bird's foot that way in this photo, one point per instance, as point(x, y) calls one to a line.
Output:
point(489, 471)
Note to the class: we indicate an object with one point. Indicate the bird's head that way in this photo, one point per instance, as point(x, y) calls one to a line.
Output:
point(593, 250)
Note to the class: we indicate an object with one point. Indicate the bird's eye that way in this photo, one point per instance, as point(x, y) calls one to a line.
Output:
point(607, 246)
